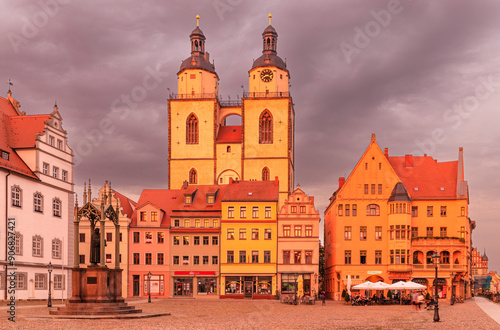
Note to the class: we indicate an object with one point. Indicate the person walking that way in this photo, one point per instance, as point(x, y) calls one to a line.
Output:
point(420, 300)
point(323, 298)
point(414, 299)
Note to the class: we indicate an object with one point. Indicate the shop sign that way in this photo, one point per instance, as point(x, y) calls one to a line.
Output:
point(374, 272)
point(193, 273)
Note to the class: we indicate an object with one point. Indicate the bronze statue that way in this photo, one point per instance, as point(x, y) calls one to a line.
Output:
point(95, 248)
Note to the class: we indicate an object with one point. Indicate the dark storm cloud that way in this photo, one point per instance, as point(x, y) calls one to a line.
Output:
point(429, 57)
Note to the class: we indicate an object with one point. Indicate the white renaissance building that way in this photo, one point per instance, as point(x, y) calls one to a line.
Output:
point(36, 203)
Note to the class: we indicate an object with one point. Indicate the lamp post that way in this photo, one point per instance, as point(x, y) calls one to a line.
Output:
point(435, 256)
point(49, 268)
point(149, 287)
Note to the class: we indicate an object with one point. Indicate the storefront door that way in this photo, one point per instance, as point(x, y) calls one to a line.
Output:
point(136, 285)
point(248, 289)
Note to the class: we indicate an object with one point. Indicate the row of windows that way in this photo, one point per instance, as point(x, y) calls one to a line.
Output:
point(196, 240)
point(52, 142)
point(197, 223)
point(396, 257)
point(374, 210)
point(144, 216)
point(17, 201)
point(398, 232)
point(444, 257)
point(371, 210)
point(297, 257)
point(108, 258)
point(41, 282)
point(196, 260)
point(55, 172)
point(253, 258)
point(372, 187)
point(297, 231)
point(243, 233)
point(148, 237)
point(37, 246)
point(243, 212)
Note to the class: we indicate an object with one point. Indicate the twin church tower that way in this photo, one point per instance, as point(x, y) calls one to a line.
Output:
point(203, 149)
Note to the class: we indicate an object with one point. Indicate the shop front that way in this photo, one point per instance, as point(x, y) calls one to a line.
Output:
point(195, 284)
point(255, 287)
point(289, 283)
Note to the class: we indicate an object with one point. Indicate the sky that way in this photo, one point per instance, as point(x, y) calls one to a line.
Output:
point(424, 76)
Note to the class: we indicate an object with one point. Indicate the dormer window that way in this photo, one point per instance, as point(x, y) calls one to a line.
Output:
point(210, 199)
point(5, 155)
point(188, 199)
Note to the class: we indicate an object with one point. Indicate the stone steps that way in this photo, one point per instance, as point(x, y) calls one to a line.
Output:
point(106, 308)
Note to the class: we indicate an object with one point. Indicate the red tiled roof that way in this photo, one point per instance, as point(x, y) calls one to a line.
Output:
point(126, 204)
point(162, 198)
point(432, 179)
point(24, 130)
point(199, 204)
point(229, 134)
point(18, 132)
point(257, 191)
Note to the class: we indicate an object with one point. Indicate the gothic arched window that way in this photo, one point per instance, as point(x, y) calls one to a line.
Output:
point(266, 127)
point(193, 176)
point(265, 174)
point(192, 129)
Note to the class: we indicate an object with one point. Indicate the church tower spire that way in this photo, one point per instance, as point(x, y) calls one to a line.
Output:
point(270, 39)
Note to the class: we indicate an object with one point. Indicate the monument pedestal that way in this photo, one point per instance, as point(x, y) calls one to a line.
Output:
point(96, 291)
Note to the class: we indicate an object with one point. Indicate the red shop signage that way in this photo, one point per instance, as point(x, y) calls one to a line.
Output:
point(193, 273)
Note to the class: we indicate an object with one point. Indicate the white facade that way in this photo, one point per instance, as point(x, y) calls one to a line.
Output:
point(37, 206)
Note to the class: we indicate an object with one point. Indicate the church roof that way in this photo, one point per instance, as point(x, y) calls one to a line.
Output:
point(196, 62)
point(269, 60)
point(230, 134)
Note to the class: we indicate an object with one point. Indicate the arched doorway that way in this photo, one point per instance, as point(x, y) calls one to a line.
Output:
point(374, 278)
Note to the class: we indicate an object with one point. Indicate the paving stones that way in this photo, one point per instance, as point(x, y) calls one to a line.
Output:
point(258, 314)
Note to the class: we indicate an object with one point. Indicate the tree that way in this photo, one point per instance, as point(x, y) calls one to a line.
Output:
point(322, 266)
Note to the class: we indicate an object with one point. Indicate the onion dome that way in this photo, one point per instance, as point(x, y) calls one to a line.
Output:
point(269, 52)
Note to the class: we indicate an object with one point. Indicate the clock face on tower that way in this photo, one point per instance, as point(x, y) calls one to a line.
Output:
point(266, 75)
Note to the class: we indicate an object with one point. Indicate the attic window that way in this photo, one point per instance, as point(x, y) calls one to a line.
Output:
point(416, 188)
point(442, 188)
point(188, 199)
point(250, 194)
point(210, 199)
point(5, 155)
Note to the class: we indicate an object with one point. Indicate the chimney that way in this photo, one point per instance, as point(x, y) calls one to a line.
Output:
point(409, 161)
point(276, 180)
point(341, 181)
point(386, 152)
point(230, 180)
point(185, 184)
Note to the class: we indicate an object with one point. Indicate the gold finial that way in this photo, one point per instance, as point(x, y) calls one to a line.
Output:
point(197, 20)
point(270, 16)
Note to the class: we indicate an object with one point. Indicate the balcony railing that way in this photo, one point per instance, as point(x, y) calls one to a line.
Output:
point(400, 268)
point(174, 96)
point(230, 103)
point(265, 94)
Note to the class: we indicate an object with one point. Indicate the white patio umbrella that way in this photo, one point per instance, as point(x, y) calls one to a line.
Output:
point(380, 286)
point(349, 285)
point(398, 286)
point(413, 286)
point(364, 286)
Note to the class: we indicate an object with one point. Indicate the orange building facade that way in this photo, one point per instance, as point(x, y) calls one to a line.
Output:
point(390, 215)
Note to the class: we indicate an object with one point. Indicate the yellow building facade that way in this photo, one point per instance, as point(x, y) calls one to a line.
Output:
point(203, 149)
point(249, 240)
point(391, 215)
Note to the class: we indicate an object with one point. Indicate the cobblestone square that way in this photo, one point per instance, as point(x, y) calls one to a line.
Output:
point(266, 314)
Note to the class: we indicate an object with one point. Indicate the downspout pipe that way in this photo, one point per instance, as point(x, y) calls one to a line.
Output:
point(6, 230)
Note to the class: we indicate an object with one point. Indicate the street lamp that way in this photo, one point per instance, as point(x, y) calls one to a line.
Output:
point(149, 287)
point(435, 256)
point(49, 268)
